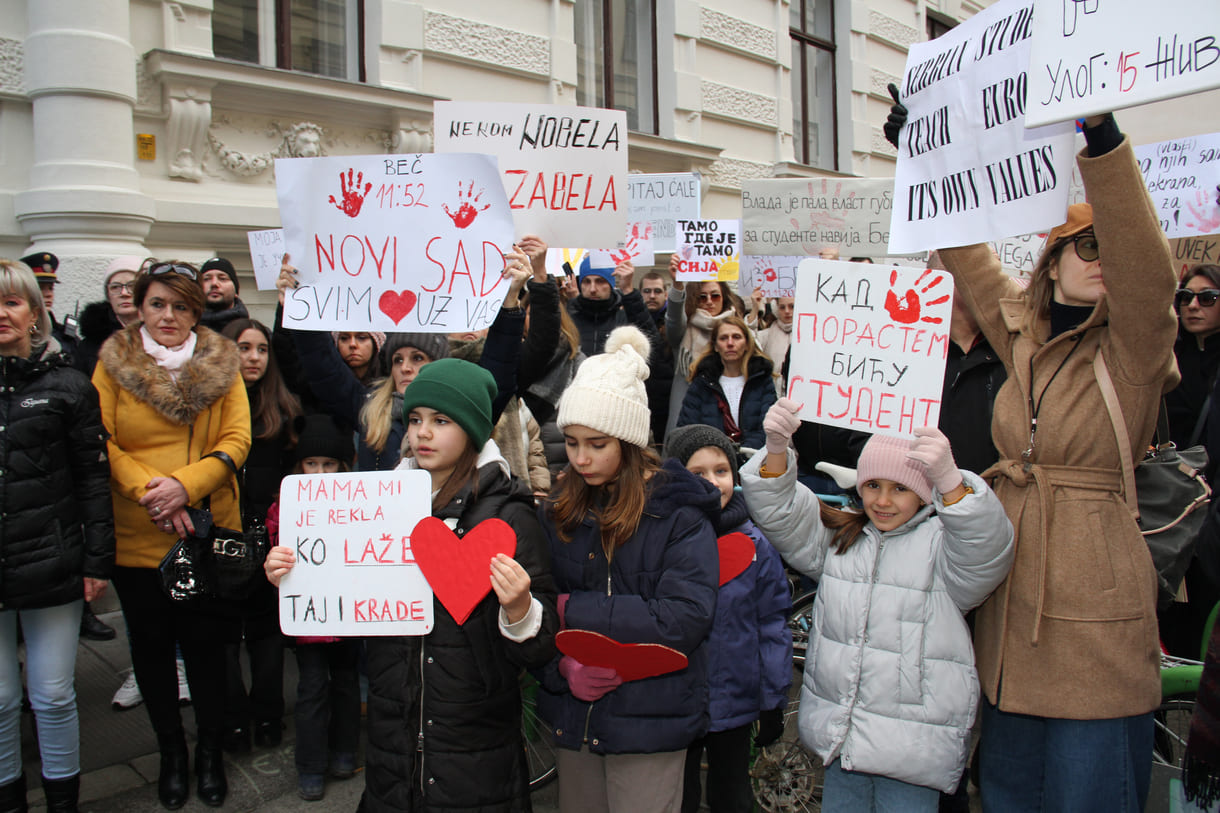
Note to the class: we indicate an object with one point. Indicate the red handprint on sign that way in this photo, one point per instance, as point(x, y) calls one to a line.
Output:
point(1206, 214)
point(353, 197)
point(769, 275)
point(907, 310)
point(631, 248)
point(466, 212)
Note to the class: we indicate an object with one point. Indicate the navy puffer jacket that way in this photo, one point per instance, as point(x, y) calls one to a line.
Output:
point(660, 588)
point(58, 523)
point(703, 399)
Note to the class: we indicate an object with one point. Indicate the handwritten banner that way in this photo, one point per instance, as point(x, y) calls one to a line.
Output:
point(355, 573)
point(869, 344)
point(1182, 177)
point(266, 251)
point(709, 250)
point(1093, 56)
point(775, 275)
point(801, 217)
point(968, 170)
point(1018, 255)
point(564, 169)
point(394, 242)
point(1191, 251)
point(661, 199)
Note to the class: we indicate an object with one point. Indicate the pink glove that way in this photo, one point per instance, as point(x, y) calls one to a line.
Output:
point(931, 448)
point(780, 424)
point(588, 683)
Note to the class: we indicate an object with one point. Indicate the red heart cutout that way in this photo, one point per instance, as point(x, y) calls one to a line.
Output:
point(631, 661)
point(459, 570)
point(396, 305)
point(736, 554)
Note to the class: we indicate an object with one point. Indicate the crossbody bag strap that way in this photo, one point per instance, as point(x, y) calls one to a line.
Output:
point(1110, 398)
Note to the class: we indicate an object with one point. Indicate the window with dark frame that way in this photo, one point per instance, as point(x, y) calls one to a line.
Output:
point(323, 37)
point(935, 25)
point(815, 130)
point(616, 58)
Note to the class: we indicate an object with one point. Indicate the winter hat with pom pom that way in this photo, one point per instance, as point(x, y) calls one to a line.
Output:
point(608, 394)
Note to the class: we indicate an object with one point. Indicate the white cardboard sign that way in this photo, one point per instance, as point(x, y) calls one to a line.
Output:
point(266, 251)
point(1093, 56)
point(775, 275)
point(661, 199)
point(1182, 175)
point(968, 169)
point(869, 344)
point(709, 250)
point(788, 217)
point(564, 169)
point(355, 574)
point(394, 242)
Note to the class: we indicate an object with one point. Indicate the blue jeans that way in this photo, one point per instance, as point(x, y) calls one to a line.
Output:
point(328, 703)
point(1044, 763)
point(51, 635)
point(858, 792)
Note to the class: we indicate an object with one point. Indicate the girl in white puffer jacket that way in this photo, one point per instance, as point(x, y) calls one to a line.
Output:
point(890, 688)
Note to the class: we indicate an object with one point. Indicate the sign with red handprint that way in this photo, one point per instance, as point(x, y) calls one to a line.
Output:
point(394, 242)
point(869, 344)
point(709, 250)
point(661, 199)
point(563, 168)
point(801, 216)
point(776, 276)
point(1183, 178)
point(636, 247)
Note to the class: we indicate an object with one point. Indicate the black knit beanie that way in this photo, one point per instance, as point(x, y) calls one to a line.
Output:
point(686, 440)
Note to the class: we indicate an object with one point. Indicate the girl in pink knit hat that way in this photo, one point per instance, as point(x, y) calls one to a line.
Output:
point(890, 687)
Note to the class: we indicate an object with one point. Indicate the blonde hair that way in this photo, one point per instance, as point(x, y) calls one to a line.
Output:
point(752, 348)
point(377, 415)
point(17, 278)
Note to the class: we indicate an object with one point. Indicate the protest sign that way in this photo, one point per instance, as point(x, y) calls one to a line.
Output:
point(869, 344)
point(563, 168)
point(968, 170)
point(394, 242)
point(775, 275)
point(1018, 255)
point(556, 257)
point(1182, 177)
point(709, 250)
point(661, 199)
point(637, 247)
point(1191, 251)
point(797, 216)
point(355, 573)
point(266, 251)
point(1094, 56)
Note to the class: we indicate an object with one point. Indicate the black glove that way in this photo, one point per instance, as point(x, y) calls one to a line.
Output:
point(896, 119)
point(770, 726)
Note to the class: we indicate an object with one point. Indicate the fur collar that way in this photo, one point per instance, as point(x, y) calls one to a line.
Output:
point(203, 380)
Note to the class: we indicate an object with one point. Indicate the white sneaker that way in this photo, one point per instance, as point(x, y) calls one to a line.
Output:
point(128, 696)
point(184, 688)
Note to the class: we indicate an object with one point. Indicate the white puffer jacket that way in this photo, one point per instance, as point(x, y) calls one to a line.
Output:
point(890, 686)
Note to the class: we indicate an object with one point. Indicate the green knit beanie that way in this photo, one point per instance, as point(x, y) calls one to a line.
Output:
point(461, 390)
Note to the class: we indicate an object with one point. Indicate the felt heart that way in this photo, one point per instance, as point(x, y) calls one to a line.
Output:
point(459, 570)
point(631, 661)
point(736, 553)
point(396, 305)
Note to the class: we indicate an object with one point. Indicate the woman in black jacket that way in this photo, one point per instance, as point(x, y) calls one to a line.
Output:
point(57, 537)
point(731, 385)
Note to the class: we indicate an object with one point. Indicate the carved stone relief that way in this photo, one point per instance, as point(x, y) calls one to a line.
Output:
point(738, 104)
point(300, 140)
point(732, 171)
point(734, 32)
point(488, 44)
point(190, 113)
point(12, 66)
point(887, 28)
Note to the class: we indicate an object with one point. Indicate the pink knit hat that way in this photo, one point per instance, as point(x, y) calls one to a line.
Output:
point(885, 458)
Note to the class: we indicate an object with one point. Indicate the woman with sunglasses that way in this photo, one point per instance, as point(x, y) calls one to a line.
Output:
point(1198, 354)
point(174, 406)
point(1082, 589)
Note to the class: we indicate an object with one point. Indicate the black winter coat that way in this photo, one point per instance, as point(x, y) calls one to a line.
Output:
point(596, 318)
point(1184, 403)
point(971, 382)
point(444, 730)
point(57, 521)
point(705, 397)
point(97, 322)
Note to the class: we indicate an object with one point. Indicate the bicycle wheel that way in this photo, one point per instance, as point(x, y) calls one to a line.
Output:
point(539, 743)
point(800, 621)
point(784, 775)
point(1171, 725)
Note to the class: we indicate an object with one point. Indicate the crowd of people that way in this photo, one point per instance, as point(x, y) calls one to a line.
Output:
point(624, 434)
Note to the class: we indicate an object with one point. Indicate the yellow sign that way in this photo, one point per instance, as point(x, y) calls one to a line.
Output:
point(146, 147)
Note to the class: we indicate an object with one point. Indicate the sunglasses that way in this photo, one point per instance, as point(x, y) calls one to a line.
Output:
point(1086, 246)
point(171, 268)
point(709, 297)
point(1207, 297)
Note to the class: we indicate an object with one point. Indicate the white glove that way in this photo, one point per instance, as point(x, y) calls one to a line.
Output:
point(780, 424)
point(931, 448)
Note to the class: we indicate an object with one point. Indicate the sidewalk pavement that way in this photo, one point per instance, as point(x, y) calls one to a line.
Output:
point(119, 759)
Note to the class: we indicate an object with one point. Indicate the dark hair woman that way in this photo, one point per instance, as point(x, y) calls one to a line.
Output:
point(174, 406)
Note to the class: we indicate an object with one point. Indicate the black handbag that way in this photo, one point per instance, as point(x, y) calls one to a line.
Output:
point(215, 562)
point(1165, 493)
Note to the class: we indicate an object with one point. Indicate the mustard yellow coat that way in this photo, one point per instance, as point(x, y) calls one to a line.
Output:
point(162, 428)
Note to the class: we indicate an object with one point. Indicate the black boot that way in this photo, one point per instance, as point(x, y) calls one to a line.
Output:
point(62, 794)
point(93, 628)
point(210, 768)
point(12, 796)
point(174, 780)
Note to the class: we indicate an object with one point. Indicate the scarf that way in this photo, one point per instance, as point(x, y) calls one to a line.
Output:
point(698, 334)
point(1201, 765)
point(170, 359)
point(785, 328)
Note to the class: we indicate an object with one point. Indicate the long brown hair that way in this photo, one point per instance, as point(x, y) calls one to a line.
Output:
point(1041, 290)
point(567, 328)
point(728, 299)
point(752, 348)
point(617, 506)
point(272, 405)
point(847, 525)
point(465, 471)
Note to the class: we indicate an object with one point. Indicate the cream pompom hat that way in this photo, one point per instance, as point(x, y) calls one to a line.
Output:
point(608, 393)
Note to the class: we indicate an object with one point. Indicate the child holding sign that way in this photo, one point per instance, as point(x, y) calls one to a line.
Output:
point(445, 708)
point(890, 687)
point(635, 558)
point(750, 646)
